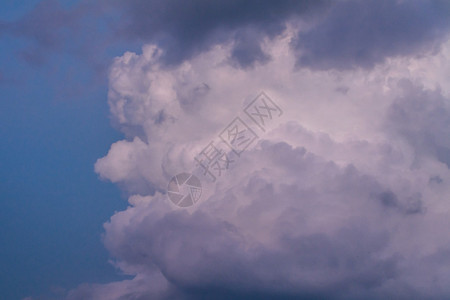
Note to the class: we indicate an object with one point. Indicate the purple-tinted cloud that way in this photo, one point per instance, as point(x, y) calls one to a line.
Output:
point(344, 199)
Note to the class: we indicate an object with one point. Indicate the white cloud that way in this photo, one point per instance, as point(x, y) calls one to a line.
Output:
point(336, 201)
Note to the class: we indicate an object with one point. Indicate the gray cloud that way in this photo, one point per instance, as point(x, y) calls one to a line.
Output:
point(47, 27)
point(364, 33)
point(182, 28)
point(185, 28)
point(340, 35)
point(83, 31)
point(422, 118)
point(333, 35)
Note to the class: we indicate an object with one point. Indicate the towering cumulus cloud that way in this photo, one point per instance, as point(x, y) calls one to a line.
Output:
point(348, 197)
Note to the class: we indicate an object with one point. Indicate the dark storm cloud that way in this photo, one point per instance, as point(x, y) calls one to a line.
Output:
point(350, 34)
point(340, 35)
point(247, 49)
point(182, 28)
point(364, 33)
point(185, 28)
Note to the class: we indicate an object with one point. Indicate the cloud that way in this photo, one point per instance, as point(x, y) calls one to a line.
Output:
point(365, 33)
point(47, 27)
point(340, 35)
point(183, 29)
point(345, 198)
point(331, 35)
point(423, 119)
point(186, 28)
point(51, 30)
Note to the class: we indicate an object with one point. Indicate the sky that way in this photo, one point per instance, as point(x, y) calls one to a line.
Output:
point(329, 122)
